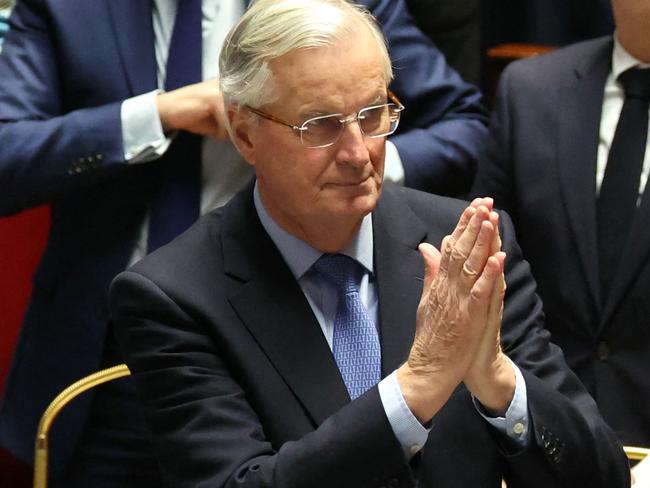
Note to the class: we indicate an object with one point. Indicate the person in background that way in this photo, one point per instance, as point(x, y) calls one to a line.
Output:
point(570, 161)
point(111, 112)
point(279, 341)
point(454, 27)
point(547, 22)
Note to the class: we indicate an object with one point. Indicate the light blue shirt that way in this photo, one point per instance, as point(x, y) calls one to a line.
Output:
point(322, 297)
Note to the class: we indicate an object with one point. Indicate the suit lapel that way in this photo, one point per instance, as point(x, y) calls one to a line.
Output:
point(274, 310)
point(578, 130)
point(399, 270)
point(132, 25)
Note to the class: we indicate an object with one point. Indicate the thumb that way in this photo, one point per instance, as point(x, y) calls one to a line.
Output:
point(431, 257)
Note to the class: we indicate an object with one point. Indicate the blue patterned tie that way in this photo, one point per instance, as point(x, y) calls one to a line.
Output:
point(356, 343)
point(177, 204)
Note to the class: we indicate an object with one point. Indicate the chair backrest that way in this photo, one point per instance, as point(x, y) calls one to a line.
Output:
point(55, 407)
point(634, 453)
point(498, 57)
point(22, 242)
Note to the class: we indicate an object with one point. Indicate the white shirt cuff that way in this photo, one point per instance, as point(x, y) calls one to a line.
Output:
point(142, 131)
point(408, 430)
point(393, 167)
point(515, 423)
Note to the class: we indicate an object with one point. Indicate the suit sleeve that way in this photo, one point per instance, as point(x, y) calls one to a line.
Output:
point(570, 444)
point(188, 388)
point(48, 147)
point(443, 129)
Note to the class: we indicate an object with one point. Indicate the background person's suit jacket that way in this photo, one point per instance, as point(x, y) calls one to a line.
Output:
point(542, 169)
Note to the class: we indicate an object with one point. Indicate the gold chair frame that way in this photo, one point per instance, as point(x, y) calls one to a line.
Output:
point(636, 453)
point(55, 407)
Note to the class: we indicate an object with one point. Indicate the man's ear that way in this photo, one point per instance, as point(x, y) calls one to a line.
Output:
point(242, 126)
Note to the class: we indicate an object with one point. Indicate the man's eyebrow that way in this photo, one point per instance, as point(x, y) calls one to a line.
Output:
point(310, 114)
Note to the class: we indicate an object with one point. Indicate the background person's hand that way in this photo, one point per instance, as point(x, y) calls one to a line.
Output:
point(196, 108)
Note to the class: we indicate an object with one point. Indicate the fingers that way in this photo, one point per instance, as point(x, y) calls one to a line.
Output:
point(468, 213)
point(496, 244)
point(469, 252)
point(487, 297)
point(487, 202)
point(495, 309)
point(465, 251)
point(431, 257)
point(482, 291)
point(465, 218)
point(196, 108)
point(478, 256)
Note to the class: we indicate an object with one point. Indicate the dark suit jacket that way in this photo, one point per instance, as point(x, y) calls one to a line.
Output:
point(542, 170)
point(241, 389)
point(64, 70)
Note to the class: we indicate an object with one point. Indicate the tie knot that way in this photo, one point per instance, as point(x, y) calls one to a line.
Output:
point(343, 271)
point(636, 83)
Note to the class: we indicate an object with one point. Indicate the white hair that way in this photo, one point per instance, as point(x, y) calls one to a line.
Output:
point(272, 28)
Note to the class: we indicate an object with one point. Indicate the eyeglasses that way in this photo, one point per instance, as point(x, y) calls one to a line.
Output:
point(323, 131)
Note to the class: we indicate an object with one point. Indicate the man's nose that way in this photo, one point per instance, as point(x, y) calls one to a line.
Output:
point(352, 145)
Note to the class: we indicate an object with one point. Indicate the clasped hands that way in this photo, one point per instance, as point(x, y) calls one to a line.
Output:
point(458, 320)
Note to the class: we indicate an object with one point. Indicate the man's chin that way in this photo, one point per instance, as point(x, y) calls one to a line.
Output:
point(357, 205)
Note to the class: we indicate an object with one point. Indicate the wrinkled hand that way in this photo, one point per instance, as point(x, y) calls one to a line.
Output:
point(491, 378)
point(196, 108)
point(458, 317)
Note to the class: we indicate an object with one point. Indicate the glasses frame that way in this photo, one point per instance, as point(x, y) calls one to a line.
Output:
point(346, 120)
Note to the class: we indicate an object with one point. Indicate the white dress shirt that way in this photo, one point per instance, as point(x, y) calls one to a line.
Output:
point(612, 106)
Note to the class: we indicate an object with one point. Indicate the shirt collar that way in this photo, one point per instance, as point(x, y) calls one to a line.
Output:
point(300, 256)
point(623, 60)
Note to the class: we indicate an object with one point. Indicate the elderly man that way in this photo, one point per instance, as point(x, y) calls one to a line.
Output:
point(279, 342)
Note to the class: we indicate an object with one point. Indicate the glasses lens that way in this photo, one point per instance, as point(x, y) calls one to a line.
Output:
point(379, 121)
point(321, 131)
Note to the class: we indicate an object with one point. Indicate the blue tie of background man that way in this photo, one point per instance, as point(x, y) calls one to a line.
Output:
point(619, 192)
point(356, 343)
point(177, 204)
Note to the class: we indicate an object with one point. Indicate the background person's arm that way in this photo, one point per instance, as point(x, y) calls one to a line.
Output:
point(444, 127)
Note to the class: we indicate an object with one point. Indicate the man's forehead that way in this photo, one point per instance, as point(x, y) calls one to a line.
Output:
point(343, 73)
